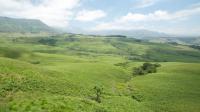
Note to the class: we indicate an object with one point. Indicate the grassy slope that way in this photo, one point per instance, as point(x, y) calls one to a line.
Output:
point(174, 88)
point(67, 73)
point(57, 88)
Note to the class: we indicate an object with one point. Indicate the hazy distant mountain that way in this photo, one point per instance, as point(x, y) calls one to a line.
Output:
point(141, 34)
point(186, 40)
point(23, 25)
point(189, 40)
point(153, 36)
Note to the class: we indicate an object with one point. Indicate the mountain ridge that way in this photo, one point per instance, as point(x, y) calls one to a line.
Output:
point(19, 25)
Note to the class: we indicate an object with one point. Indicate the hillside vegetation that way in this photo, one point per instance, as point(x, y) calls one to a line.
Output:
point(60, 73)
point(23, 25)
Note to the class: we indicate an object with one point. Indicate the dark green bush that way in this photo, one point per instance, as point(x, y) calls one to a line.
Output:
point(139, 71)
point(35, 62)
point(146, 68)
point(101, 110)
point(13, 52)
point(48, 41)
point(157, 65)
point(98, 93)
point(123, 64)
point(195, 47)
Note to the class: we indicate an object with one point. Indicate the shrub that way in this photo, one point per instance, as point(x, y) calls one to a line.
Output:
point(35, 62)
point(195, 47)
point(12, 53)
point(123, 64)
point(100, 110)
point(157, 65)
point(139, 71)
point(146, 68)
point(48, 41)
point(98, 93)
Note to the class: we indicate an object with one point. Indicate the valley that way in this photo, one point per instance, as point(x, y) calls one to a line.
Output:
point(58, 73)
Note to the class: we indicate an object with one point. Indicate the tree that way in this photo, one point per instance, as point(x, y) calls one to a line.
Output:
point(98, 93)
point(139, 71)
point(146, 68)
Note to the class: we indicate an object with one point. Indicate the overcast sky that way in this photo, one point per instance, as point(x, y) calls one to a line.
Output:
point(169, 16)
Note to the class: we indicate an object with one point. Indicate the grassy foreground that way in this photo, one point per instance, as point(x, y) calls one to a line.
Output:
point(35, 77)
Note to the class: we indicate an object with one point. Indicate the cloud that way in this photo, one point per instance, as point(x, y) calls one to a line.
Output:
point(55, 13)
point(160, 15)
point(157, 15)
point(117, 25)
point(139, 20)
point(144, 3)
point(90, 15)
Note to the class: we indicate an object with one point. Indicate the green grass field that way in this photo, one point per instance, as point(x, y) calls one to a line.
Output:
point(60, 76)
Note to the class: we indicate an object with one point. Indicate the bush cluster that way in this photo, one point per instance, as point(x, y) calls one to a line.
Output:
point(11, 52)
point(98, 93)
point(146, 68)
point(48, 41)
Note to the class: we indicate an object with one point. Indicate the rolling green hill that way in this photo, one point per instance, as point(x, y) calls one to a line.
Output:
point(23, 25)
point(59, 74)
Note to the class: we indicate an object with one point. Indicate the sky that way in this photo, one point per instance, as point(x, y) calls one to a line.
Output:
point(178, 17)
